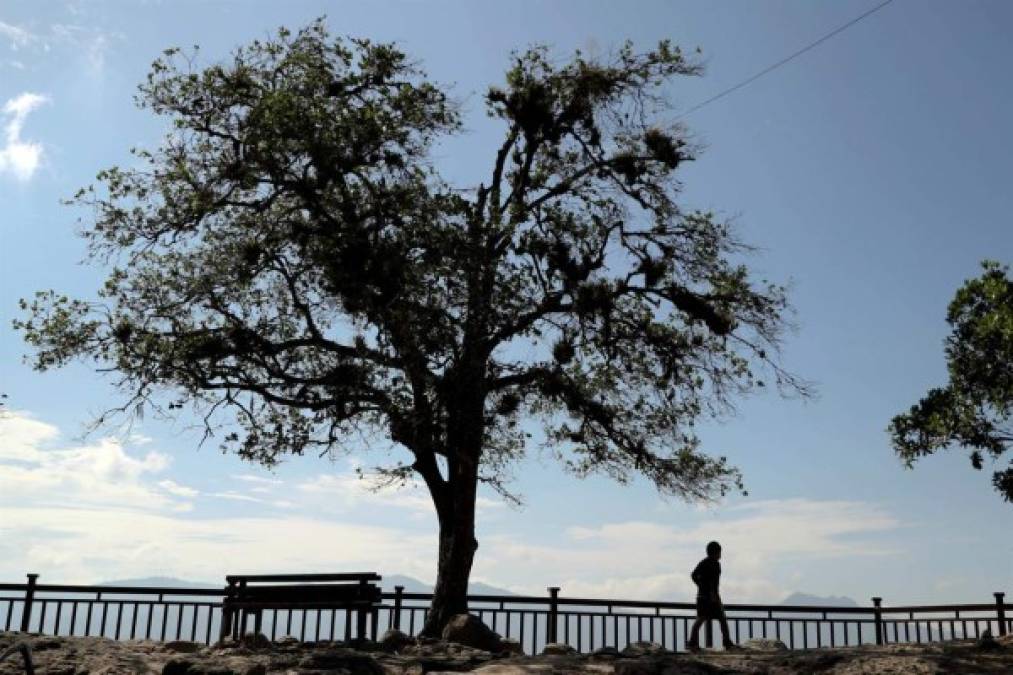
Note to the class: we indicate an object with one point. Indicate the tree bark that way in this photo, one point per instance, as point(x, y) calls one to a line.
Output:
point(450, 596)
point(457, 547)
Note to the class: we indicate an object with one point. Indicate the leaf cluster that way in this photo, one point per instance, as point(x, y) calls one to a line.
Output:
point(975, 410)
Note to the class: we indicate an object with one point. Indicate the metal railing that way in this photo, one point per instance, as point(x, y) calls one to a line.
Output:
point(587, 624)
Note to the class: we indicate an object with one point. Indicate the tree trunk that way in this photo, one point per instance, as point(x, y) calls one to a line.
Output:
point(450, 596)
point(457, 548)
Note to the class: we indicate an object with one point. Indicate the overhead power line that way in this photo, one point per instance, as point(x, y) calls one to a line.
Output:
point(791, 57)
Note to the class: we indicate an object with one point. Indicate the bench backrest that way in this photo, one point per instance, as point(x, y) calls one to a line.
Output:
point(299, 593)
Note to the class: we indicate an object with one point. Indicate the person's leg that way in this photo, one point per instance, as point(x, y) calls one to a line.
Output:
point(694, 634)
point(726, 636)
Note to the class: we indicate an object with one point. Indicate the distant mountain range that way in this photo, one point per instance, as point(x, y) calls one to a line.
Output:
point(805, 599)
point(165, 582)
point(411, 584)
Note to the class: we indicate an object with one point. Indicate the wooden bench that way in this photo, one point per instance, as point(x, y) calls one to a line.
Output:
point(250, 594)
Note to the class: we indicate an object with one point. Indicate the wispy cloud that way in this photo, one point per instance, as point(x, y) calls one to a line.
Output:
point(92, 43)
point(257, 480)
point(16, 36)
point(19, 157)
point(175, 489)
point(87, 512)
point(88, 545)
point(346, 491)
point(84, 512)
point(35, 467)
point(651, 560)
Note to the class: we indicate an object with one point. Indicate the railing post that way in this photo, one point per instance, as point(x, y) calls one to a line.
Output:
point(361, 617)
point(26, 613)
point(398, 592)
point(550, 626)
point(1000, 611)
point(878, 612)
point(240, 627)
point(227, 611)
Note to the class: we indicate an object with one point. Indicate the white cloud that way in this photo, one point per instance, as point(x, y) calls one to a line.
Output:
point(19, 157)
point(92, 511)
point(80, 545)
point(89, 512)
point(348, 491)
point(259, 480)
point(174, 488)
point(21, 438)
point(236, 496)
point(18, 37)
point(101, 473)
point(89, 45)
point(91, 42)
point(652, 560)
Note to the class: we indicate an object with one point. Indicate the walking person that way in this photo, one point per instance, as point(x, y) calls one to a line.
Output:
point(707, 576)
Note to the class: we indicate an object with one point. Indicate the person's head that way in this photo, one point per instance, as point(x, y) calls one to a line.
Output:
point(714, 550)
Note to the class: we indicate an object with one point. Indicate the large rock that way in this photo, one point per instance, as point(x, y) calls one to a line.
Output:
point(19, 651)
point(511, 647)
point(558, 649)
point(182, 647)
point(256, 641)
point(467, 629)
point(643, 649)
point(988, 643)
point(764, 645)
point(395, 640)
point(342, 660)
point(514, 669)
point(177, 666)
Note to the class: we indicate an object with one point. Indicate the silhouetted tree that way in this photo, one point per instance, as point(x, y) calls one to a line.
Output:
point(976, 409)
point(291, 255)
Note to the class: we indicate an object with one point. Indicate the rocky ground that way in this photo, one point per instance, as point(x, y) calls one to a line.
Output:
point(400, 656)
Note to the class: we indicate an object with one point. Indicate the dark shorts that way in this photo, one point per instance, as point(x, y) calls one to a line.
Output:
point(709, 609)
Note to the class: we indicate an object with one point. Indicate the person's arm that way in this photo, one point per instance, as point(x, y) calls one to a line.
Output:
point(710, 579)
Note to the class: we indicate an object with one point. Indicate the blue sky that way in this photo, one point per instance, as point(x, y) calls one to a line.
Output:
point(873, 173)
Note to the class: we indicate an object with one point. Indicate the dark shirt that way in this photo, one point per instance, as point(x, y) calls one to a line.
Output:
point(706, 577)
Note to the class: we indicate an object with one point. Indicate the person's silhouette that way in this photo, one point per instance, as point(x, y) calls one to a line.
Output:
point(706, 576)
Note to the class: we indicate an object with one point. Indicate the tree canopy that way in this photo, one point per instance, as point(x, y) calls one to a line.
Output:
point(975, 410)
point(291, 263)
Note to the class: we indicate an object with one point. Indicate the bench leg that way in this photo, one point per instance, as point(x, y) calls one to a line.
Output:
point(226, 628)
point(360, 625)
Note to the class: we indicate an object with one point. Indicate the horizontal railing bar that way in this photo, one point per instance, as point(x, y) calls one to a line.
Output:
point(117, 601)
point(131, 590)
point(647, 604)
point(990, 607)
point(346, 576)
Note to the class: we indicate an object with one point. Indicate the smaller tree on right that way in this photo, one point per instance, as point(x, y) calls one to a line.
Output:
point(975, 410)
